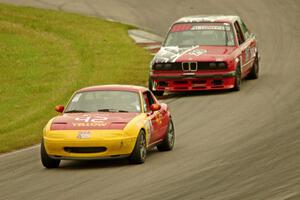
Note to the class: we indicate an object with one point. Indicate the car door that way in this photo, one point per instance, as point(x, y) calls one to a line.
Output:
point(250, 42)
point(162, 118)
point(244, 47)
point(152, 117)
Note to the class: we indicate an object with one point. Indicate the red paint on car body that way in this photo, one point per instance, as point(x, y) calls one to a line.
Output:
point(181, 75)
point(92, 121)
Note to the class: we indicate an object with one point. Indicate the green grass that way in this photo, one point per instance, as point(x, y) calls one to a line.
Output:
point(46, 55)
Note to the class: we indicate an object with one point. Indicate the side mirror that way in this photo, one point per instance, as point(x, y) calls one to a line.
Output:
point(59, 108)
point(155, 107)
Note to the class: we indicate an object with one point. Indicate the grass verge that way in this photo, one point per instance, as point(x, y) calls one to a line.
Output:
point(46, 55)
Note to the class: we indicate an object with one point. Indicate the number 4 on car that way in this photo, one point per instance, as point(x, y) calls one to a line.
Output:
point(110, 121)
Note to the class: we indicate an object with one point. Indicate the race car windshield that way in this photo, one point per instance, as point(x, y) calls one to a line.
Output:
point(104, 101)
point(206, 34)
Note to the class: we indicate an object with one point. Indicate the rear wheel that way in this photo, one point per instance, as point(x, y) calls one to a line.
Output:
point(255, 69)
point(150, 86)
point(238, 79)
point(139, 152)
point(46, 160)
point(169, 140)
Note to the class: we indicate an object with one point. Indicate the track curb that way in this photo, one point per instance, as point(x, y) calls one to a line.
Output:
point(147, 40)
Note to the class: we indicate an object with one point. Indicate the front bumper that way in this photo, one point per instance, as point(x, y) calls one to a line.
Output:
point(59, 145)
point(193, 82)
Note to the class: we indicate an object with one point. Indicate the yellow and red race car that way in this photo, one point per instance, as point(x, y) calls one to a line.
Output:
point(109, 121)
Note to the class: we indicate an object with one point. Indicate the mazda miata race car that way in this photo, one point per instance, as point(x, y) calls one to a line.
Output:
point(205, 53)
point(110, 121)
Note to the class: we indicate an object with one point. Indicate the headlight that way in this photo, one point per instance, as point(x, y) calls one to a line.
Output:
point(162, 66)
point(222, 65)
point(217, 65)
point(158, 66)
point(168, 66)
point(212, 65)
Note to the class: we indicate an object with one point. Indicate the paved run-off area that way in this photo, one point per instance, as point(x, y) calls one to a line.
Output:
point(239, 146)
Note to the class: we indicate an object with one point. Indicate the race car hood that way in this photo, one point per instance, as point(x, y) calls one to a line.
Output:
point(92, 121)
point(196, 53)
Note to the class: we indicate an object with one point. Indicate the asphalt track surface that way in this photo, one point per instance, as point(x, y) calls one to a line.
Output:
point(230, 145)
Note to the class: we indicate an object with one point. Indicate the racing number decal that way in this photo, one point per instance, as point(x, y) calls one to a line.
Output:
point(149, 129)
point(253, 52)
point(247, 54)
point(90, 121)
point(158, 116)
point(154, 125)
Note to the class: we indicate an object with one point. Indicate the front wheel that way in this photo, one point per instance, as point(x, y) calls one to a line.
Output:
point(169, 140)
point(46, 160)
point(139, 152)
point(238, 79)
point(150, 86)
point(255, 69)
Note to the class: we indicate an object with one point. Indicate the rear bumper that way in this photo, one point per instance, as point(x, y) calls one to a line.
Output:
point(193, 82)
point(114, 147)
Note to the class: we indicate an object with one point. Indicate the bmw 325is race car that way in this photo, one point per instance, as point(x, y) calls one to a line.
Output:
point(110, 121)
point(205, 53)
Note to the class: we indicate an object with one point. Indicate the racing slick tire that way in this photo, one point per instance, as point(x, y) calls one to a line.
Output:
point(238, 79)
point(150, 86)
point(138, 155)
point(168, 143)
point(46, 160)
point(255, 69)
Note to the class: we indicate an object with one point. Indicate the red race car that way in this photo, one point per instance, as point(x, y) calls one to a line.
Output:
point(205, 53)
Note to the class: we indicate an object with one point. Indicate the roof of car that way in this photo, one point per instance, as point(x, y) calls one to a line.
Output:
point(208, 18)
point(115, 87)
